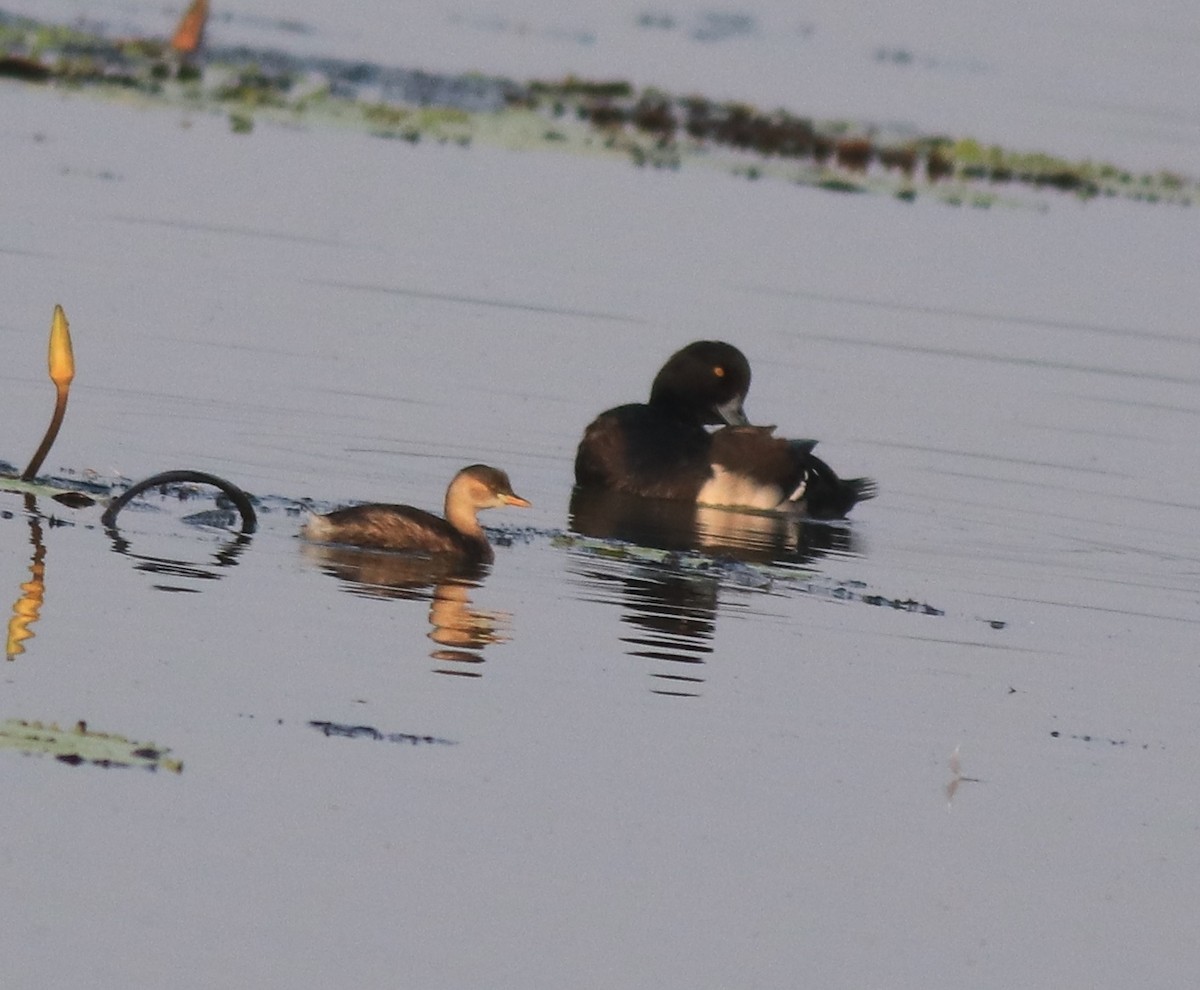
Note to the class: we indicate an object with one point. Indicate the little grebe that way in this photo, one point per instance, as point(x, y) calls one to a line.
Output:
point(401, 527)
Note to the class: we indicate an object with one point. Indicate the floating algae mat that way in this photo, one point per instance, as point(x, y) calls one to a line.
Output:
point(64, 490)
point(650, 127)
point(761, 575)
point(78, 745)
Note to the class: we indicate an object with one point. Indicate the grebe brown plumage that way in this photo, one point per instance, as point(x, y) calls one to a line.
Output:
point(402, 527)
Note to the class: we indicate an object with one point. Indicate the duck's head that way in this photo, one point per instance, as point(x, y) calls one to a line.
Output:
point(483, 487)
point(707, 380)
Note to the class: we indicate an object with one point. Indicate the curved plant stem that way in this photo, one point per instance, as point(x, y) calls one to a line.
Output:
point(236, 495)
point(60, 409)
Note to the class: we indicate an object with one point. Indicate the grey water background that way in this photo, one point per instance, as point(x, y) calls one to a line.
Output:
point(638, 773)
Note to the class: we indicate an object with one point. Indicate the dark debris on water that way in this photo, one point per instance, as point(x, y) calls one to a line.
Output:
point(370, 732)
point(1100, 740)
point(902, 604)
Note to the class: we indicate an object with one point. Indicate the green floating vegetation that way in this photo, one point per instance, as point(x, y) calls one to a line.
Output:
point(48, 488)
point(252, 87)
point(613, 89)
point(762, 576)
point(78, 745)
point(838, 184)
point(722, 566)
point(647, 126)
point(412, 123)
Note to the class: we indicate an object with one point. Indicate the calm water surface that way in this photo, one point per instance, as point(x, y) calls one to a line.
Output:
point(948, 744)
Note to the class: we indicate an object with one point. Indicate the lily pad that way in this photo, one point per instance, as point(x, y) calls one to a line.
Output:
point(78, 745)
point(36, 487)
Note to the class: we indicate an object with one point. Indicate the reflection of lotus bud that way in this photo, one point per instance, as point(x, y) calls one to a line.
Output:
point(27, 610)
point(62, 360)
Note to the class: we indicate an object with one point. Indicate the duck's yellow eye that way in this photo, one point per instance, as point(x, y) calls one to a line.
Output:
point(719, 371)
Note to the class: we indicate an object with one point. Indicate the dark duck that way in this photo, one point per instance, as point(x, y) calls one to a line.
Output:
point(402, 527)
point(662, 449)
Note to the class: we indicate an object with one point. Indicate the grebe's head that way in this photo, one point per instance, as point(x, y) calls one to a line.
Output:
point(483, 487)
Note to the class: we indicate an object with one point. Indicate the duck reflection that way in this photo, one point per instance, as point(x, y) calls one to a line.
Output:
point(671, 614)
point(740, 534)
point(461, 631)
point(673, 620)
point(669, 579)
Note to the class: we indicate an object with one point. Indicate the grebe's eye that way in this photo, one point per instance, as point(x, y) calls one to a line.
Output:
point(719, 371)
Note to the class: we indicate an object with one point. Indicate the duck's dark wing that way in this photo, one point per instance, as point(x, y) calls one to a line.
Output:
point(755, 468)
point(642, 451)
point(760, 460)
point(391, 527)
point(827, 496)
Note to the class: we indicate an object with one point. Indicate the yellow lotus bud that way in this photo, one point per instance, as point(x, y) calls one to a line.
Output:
point(62, 359)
